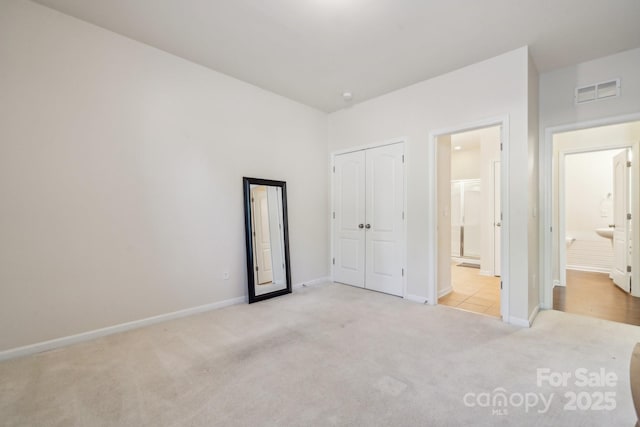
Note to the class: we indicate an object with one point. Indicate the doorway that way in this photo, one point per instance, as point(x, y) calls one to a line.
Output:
point(594, 222)
point(368, 218)
point(469, 221)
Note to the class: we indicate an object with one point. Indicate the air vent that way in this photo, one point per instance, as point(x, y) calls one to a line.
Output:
point(595, 92)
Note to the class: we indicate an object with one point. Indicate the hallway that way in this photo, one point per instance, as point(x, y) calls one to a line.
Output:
point(595, 295)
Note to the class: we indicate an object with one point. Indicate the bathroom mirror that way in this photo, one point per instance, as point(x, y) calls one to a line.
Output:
point(267, 238)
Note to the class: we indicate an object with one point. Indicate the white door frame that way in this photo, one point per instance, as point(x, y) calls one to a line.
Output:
point(503, 122)
point(332, 156)
point(546, 202)
point(562, 205)
point(494, 270)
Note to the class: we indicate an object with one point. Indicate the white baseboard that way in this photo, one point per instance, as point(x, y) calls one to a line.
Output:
point(486, 273)
point(97, 333)
point(519, 322)
point(110, 330)
point(589, 269)
point(313, 282)
point(534, 314)
point(525, 323)
point(557, 283)
point(416, 298)
point(444, 292)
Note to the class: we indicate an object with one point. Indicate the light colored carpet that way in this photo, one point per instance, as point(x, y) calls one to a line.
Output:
point(326, 355)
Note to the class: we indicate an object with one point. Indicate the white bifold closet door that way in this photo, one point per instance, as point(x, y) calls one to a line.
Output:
point(369, 219)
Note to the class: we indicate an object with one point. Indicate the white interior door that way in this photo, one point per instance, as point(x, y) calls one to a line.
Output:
point(349, 232)
point(262, 236)
point(621, 208)
point(384, 219)
point(497, 221)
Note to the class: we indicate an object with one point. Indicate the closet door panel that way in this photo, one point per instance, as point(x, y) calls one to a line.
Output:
point(384, 219)
point(349, 208)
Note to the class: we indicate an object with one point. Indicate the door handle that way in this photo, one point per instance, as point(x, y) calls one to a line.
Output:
point(360, 225)
point(368, 226)
point(498, 224)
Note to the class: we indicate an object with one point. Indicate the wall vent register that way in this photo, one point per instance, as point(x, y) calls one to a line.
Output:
point(597, 91)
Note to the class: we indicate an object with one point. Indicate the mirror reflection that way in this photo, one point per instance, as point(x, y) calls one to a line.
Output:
point(267, 239)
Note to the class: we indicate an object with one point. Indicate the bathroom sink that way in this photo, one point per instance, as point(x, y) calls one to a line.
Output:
point(607, 233)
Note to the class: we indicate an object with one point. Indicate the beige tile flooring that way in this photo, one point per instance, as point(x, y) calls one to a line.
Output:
point(473, 292)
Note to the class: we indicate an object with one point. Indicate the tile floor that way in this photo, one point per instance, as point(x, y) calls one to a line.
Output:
point(473, 292)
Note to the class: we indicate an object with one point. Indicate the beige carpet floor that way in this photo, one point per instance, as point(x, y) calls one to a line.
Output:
point(325, 355)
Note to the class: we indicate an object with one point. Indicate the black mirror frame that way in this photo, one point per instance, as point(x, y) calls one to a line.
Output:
point(246, 183)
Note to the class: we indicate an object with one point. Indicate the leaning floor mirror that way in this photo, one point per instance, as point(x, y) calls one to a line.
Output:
point(267, 238)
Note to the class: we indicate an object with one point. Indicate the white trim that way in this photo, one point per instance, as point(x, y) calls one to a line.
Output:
point(444, 292)
point(588, 269)
point(534, 314)
point(516, 321)
point(368, 146)
point(503, 122)
point(416, 298)
point(110, 330)
point(314, 282)
point(525, 323)
point(546, 202)
point(562, 227)
point(332, 162)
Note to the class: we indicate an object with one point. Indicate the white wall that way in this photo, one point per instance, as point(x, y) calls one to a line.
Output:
point(588, 198)
point(492, 88)
point(589, 190)
point(557, 87)
point(533, 225)
point(120, 178)
point(465, 164)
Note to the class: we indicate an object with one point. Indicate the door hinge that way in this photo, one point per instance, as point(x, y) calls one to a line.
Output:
point(628, 216)
point(500, 216)
point(403, 272)
point(403, 158)
point(334, 169)
point(402, 214)
point(501, 146)
point(334, 215)
point(501, 285)
point(628, 269)
point(551, 229)
point(628, 163)
point(334, 261)
point(256, 268)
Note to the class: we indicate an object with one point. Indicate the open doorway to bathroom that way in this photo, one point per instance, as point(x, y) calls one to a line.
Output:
point(469, 188)
point(595, 198)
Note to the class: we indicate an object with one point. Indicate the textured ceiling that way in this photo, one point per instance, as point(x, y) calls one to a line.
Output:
point(313, 50)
